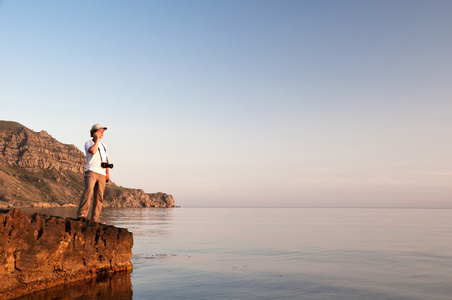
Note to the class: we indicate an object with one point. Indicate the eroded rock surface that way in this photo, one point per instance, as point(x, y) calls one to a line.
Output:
point(39, 251)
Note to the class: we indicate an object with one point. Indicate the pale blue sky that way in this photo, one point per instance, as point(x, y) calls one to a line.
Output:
point(244, 103)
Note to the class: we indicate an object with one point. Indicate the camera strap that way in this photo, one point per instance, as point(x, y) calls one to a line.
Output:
point(105, 154)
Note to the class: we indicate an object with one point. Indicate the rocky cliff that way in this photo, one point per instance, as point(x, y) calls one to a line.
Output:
point(37, 170)
point(40, 251)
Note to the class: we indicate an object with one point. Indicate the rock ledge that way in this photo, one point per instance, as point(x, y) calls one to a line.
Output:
point(39, 251)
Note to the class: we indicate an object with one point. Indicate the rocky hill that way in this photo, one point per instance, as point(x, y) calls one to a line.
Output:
point(37, 170)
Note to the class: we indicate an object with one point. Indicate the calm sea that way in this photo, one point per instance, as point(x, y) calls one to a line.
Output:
point(277, 253)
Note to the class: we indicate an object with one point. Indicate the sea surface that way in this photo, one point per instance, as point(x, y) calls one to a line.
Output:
point(277, 253)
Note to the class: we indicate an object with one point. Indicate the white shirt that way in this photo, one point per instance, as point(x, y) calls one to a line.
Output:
point(93, 160)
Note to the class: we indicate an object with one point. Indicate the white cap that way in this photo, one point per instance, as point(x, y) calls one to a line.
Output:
point(97, 127)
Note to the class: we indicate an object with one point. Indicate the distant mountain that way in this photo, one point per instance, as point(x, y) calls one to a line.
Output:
point(37, 170)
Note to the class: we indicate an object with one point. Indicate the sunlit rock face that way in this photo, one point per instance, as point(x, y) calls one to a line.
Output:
point(39, 251)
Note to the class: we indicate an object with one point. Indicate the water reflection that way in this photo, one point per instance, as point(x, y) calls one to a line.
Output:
point(117, 287)
point(64, 212)
point(140, 221)
point(228, 253)
point(150, 226)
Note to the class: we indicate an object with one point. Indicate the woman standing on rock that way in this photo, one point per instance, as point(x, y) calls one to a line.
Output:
point(97, 173)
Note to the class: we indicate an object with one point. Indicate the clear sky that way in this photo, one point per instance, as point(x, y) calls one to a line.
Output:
point(244, 103)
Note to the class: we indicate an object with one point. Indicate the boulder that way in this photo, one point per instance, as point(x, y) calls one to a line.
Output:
point(39, 251)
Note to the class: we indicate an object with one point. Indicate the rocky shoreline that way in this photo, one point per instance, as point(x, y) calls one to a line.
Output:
point(38, 251)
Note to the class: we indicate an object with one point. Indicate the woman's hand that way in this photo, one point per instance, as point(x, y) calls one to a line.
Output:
point(96, 136)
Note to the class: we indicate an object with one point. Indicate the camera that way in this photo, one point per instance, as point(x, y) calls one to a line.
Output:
point(106, 165)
